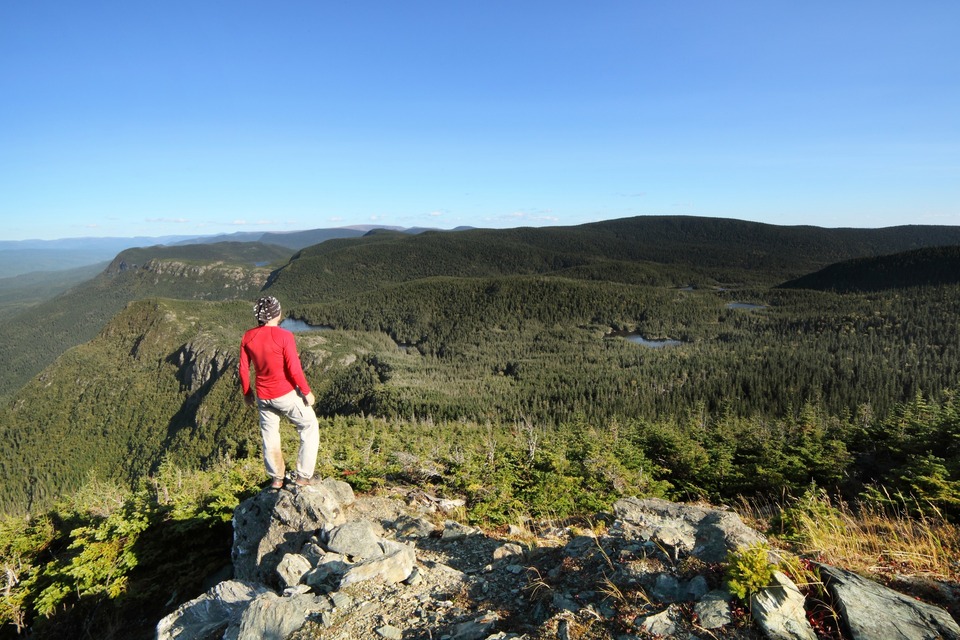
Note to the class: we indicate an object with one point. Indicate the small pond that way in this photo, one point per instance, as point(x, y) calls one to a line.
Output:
point(745, 305)
point(636, 338)
point(299, 326)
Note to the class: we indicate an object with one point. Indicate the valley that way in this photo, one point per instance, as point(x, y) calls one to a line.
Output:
point(495, 366)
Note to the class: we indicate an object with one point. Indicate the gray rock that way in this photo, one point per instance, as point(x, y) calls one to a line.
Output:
point(395, 565)
point(292, 568)
point(453, 530)
point(204, 616)
point(270, 525)
point(358, 540)
point(871, 610)
point(270, 616)
point(709, 534)
point(697, 588)
point(660, 624)
point(414, 578)
point(448, 505)
point(313, 552)
point(341, 490)
point(389, 632)
point(713, 609)
point(475, 629)
point(666, 589)
point(327, 572)
point(563, 602)
point(410, 527)
point(778, 609)
point(507, 550)
point(341, 601)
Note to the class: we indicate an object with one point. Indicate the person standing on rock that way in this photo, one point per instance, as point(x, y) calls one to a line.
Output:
point(281, 391)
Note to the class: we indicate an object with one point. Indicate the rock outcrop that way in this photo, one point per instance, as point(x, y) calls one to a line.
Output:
point(870, 610)
point(316, 562)
point(705, 533)
point(271, 525)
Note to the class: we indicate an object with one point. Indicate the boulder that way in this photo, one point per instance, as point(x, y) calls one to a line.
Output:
point(272, 616)
point(706, 533)
point(358, 540)
point(507, 550)
point(453, 531)
point(779, 611)
point(270, 525)
point(341, 490)
point(871, 610)
point(205, 617)
point(394, 565)
point(292, 568)
point(327, 571)
point(413, 527)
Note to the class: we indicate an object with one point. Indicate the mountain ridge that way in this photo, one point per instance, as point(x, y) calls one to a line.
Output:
point(930, 266)
point(36, 336)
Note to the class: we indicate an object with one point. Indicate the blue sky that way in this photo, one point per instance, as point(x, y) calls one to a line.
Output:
point(202, 117)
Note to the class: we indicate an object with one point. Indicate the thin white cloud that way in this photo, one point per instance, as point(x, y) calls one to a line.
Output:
point(168, 220)
point(254, 223)
point(535, 215)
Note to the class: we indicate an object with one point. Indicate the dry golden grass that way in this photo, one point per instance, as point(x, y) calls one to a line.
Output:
point(868, 538)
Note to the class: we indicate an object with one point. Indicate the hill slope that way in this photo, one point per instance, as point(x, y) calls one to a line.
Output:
point(704, 251)
point(922, 267)
point(514, 330)
point(159, 381)
point(37, 336)
point(23, 291)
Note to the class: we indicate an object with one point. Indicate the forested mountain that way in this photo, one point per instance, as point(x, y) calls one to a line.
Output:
point(922, 267)
point(19, 292)
point(498, 326)
point(687, 250)
point(159, 381)
point(32, 339)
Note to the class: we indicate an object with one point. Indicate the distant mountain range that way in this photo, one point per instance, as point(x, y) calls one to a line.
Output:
point(26, 256)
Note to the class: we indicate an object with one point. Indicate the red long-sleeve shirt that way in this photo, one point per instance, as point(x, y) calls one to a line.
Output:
point(273, 353)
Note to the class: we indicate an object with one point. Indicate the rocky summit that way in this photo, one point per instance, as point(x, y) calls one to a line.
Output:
point(317, 562)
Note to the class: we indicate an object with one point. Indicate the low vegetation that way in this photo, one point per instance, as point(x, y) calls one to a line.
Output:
point(111, 559)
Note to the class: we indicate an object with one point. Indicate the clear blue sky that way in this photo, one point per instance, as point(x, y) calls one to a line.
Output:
point(208, 116)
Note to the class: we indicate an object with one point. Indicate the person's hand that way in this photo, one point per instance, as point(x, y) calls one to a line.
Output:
point(309, 399)
point(250, 398)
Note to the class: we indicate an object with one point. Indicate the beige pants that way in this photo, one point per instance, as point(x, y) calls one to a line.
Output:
point(294, 408)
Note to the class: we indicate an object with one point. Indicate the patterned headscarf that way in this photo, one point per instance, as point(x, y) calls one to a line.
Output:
point(266, 309)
